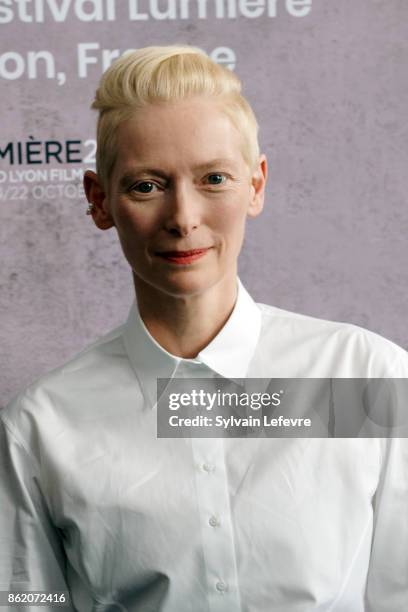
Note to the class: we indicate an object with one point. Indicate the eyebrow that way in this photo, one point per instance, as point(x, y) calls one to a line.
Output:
point(130, 174)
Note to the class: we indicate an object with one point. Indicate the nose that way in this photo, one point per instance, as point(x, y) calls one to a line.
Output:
point(182, 211)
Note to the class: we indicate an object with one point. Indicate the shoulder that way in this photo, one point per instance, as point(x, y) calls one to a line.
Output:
point(95, 366)
point(356, 350)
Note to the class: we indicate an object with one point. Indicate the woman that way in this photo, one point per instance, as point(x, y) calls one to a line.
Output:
point(92, 501)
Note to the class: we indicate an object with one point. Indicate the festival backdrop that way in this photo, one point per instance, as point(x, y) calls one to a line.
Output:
point(328, 81)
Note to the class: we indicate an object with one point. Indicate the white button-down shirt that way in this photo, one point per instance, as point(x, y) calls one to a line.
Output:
point(91, 501)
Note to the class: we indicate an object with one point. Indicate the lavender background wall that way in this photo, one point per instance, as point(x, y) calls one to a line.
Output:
point(330, 89)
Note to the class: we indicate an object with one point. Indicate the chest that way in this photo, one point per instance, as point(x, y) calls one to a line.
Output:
point(280, 513)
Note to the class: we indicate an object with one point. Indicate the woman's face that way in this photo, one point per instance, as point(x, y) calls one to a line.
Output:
point(180, 183)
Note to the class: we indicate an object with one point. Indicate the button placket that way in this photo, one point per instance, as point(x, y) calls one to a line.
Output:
point(213, 497)
point(217, 533)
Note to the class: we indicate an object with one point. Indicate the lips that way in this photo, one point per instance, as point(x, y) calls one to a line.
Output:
point(183, 258)
point(182, 253)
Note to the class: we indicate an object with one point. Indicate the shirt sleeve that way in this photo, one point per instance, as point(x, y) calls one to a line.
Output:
point(32, 557)
point(387, 581)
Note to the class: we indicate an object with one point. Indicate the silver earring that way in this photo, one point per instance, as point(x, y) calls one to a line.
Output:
point(90, 209)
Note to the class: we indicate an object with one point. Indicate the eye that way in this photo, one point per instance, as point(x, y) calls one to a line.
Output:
point(216, 178)
point(144, 187)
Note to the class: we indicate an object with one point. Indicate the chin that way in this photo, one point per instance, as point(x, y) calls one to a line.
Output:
point(184, 287)
point(181, 283)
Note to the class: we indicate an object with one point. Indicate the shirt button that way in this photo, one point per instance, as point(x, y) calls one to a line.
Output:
point(214, 522)
point(207, 467)
point(221, 586)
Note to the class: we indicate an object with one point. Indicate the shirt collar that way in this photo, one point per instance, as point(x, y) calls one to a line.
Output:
point(228, 354)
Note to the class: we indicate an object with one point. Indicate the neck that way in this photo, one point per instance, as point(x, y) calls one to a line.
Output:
point(185, 325)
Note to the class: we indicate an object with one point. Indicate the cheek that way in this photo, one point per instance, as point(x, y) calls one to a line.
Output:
point(230, 219)
point(133, 223)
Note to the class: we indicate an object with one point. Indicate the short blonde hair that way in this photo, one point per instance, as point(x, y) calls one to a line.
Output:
point(160, 74)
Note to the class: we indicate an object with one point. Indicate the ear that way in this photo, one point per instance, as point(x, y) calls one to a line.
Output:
point(95, 194)
point(258, 182)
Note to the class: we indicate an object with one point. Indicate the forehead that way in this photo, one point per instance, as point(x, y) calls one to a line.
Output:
point(189, 132)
